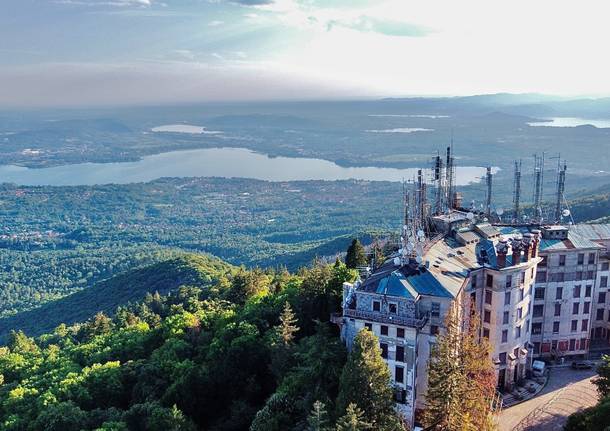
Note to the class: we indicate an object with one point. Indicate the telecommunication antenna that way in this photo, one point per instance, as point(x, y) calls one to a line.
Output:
point(561, 183)
point(450, 163)
point(488, 181)
point(538, 186)
point(438, 181)
point(517, 192)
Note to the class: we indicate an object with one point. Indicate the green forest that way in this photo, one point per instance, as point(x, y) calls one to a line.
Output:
point(227, 349)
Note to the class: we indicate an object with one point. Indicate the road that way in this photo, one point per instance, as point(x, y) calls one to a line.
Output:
point(566, 392)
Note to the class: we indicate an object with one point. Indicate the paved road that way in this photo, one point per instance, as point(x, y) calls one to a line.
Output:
point(566, 392)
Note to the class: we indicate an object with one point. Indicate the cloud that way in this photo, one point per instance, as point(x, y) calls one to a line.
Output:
point(117, 3)
point(253, 2)
point(215, 23)
point(382, 26)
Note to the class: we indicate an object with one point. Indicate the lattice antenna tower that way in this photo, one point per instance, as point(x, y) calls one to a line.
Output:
point(561, 184)
point(450, 175)
point(439, 182)
point(488, 183)
point(517, 192)
point(538, 186)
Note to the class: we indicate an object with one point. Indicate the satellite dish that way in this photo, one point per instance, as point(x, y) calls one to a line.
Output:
point(470, 216)
point(419, 250)
point(418, 259)
point(405, 227)
point(485, 219)
point(400, 250)
point(409, 247)
point(565, 213)
point(420, 233)
point(396, 261)
point(499, 211)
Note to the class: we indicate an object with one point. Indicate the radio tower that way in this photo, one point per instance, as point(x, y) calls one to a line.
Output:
point(561, 183)
point(488, 180)
point(450, 174)
point(438, 180)
point(538, 184)
point(517, 192)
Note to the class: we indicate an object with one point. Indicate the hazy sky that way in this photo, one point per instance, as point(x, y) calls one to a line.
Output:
point(66, 52)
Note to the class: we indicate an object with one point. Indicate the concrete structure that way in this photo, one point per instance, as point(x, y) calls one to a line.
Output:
point(527, 283)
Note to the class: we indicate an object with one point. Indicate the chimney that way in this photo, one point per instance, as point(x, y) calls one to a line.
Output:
point(501, 250)
point(516, 246)
point(527, 246)
point(536, 236)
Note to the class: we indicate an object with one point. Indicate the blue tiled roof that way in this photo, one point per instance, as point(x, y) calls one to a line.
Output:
point(395, 284)
point(490, 251)
point(426, 284)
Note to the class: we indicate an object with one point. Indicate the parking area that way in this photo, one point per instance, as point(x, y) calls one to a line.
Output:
point(566, 392)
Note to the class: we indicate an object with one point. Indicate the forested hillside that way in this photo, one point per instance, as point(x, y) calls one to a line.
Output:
point(229, 349)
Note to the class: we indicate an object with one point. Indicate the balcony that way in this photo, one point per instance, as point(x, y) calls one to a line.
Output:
point(391, 319)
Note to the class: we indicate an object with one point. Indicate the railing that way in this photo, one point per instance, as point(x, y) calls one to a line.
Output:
point(386, 318)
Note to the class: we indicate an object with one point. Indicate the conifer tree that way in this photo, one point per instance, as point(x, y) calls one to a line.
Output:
point(461, 377)
point(355, 255)
point(318, 417)
point(353, 420)
point(288, 325)
point(365, 381)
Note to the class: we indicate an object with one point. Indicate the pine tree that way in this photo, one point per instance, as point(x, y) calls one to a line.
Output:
point(461, 377)
point(365, 381)
point(353, 420)
point(445, 378)
point(318, 417)
point(355, 255)
point(288, 325)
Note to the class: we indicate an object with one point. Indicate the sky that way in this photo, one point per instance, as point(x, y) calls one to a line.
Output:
point(122, 52)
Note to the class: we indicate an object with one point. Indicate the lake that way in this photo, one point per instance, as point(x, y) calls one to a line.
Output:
point(571, 122)
point(212, 162)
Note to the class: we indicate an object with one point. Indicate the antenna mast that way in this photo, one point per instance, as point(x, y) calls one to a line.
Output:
point(538, 185)
point(438, 180)
point(517, 192)
point(449, 174)
point(488, 181)
point(561, 183)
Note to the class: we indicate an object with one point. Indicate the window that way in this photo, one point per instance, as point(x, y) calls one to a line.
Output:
point(581, 258)
point(574, 326)
point(521, 293)
point(519, 313)
point(584, 325)
point(433, 330)
point(536, 348)
point(393, 308)
point(527, 326)
point(578, 275)
point(489, 282)
point(559, 293)
point(505, 318)
point(486, 316)
point(562, 260)
point(572, 344)
point(539, 293)
point(486, 333)
point(509, 281)
point(507, 298)
point(473, 281)
point(505, 335)
point(590, 275)
point(399, 374)
point(502, 358)
point(600, 314)
point(583, 343)
point(538, 310)
point(603, 281)
point(384, 330)
point(588, 291)
point(376, 306)
point(605, 266)
point(400, 333)
point(557, 310)
point(560, 276)
point(518, 331)
point(591, 258)
point(384, 350)
point(488, 297)
point(435, 309)
point(554, 345)
point(541, 277)
point(400, 353)
point(537, 328)
point(369, 326)
point(586, 307)
point(555, 327)
point(576, 291)
point(575, 308)
point(601, 299)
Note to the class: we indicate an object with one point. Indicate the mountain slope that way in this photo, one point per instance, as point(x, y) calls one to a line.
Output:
point(130, 286)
